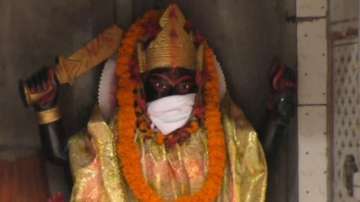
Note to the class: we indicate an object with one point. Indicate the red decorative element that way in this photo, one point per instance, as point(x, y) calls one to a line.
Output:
point(51, 89)
point(135, 71)
point(177, 138)
point(141, 102)
point(173, 34)
point(279, 83)
point(199, 112)
point(188, 26)
point(58, 197)
point(199, 78)
point(199, 38)
point(172, 13)
point(152, 29)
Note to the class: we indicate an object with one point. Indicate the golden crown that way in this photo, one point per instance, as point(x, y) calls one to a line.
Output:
point(173, 46)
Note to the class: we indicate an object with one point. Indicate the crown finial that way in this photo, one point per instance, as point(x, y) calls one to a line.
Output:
point(173, 46)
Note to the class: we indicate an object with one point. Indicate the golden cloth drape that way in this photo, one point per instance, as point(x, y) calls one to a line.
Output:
point(172, 173)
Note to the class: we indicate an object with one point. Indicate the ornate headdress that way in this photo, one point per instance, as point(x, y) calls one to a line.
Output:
point(173, 46)
point(174, 52)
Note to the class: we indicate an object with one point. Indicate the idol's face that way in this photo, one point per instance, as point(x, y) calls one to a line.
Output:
point(162, 82)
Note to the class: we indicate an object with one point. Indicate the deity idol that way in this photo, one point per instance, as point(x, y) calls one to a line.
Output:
point(164, 130)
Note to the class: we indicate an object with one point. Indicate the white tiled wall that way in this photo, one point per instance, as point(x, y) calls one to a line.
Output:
point(346, 114)
point(312, 61)
point(312, 153)
point(306, 8)
point(346, 101)
point(341, 10)
point(312, 100)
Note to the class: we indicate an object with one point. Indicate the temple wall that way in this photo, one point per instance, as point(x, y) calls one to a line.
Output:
point(313, 104)
point(345, 99)
point(32, 35)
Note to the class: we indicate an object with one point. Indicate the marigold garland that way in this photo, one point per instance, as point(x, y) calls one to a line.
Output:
point(143, 124)
point(126, 147)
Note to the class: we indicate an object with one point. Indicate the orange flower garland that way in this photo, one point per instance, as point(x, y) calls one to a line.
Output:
point(126, 147)
point(143, 124)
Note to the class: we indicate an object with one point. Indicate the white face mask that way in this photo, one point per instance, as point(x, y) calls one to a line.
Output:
point(171, 112)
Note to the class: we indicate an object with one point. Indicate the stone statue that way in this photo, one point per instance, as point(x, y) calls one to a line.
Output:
point(164, 129)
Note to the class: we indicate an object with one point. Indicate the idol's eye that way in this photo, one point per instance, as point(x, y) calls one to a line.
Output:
point(185, 86)
point(160, 85)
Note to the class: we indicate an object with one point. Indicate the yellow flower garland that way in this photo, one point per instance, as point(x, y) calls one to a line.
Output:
point(127, 149)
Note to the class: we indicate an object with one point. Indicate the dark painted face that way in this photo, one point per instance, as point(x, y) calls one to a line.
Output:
point(164, 82)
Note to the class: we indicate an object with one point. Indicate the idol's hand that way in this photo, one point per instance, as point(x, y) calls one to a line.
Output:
point(44, 81)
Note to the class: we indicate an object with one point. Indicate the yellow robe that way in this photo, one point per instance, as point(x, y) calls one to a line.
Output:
point(175, 172)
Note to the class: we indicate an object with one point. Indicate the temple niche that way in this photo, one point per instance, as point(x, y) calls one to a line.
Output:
point(247, 36)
